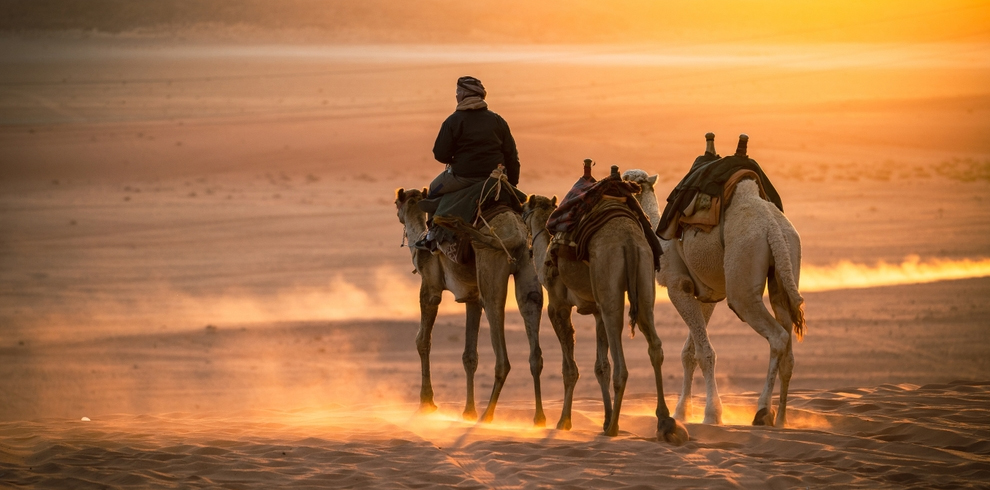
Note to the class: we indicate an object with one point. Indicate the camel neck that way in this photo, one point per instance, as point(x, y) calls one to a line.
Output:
point(541, 240)
point(415, 227)
point(648, 201)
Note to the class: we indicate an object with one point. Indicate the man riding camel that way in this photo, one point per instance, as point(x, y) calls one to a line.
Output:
point(473, 141)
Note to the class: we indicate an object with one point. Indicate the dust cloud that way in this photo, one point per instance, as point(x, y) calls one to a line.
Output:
point(396, 297)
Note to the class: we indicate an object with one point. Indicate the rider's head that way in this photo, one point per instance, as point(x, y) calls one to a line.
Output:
point(470, 87)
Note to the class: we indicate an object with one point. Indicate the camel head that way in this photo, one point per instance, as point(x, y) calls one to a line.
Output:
point(405, 203)
point(647, 197)
point(640, 177)
point(537, 210)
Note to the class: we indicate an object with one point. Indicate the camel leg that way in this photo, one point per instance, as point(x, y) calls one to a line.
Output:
point(779, 340)
point(613, 328)
point(778, 301)
point(493, 285)
point(744, 290)
point(608, 288)
point(560, 319)
point(668, 429)
point(684, 409)
point(429, 303)
point(696, 314)
point(470, 358)
point(603, 370)
point(529, 297)
point(786, 369)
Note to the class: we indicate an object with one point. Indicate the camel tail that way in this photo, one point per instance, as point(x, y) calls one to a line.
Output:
point(786, 277)
point(632, 286)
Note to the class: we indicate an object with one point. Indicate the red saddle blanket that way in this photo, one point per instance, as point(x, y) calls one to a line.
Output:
point(589, 205)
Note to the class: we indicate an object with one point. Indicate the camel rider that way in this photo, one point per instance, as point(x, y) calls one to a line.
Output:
point(473, 141)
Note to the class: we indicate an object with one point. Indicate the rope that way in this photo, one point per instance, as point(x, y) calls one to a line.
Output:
point(499, 175)
point(405, 238)
point(500, 242)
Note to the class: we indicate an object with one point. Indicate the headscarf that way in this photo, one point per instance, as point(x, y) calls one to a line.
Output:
point(470, 94)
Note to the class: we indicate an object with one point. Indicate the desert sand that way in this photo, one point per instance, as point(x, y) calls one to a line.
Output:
point(202, 284)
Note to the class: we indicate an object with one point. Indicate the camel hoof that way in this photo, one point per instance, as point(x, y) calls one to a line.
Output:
point(470, 415)
point(540, 420)
point(564, 424)
point(673, 432)
point(764, 417)
point(426, 408)
point(486, 418)
point(608, 418)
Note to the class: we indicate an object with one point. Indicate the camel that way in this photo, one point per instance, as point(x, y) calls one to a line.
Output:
point(483, 287)
point(620, 261)
point(754, 248)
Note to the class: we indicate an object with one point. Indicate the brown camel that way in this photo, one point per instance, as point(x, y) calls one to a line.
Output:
point(754, 248)
point(493, 267)
point(620, 261)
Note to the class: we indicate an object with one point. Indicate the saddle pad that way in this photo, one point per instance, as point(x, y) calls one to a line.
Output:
point(491, 211)
point(607, 209)
point(706, 219)
point(710, 177)
point(458, 249)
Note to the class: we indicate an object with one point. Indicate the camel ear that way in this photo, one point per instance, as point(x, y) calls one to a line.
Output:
point(400, 194)
point(554, 200)
point(426, 192)
point(652, 179)
point(530, 198)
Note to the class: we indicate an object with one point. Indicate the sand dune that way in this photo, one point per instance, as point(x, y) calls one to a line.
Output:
point(891, 436)
point(338, 414)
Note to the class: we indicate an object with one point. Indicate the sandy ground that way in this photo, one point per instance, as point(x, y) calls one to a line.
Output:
point(199, 253)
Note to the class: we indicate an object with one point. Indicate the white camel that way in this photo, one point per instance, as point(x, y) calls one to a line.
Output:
point(754, 248)
point(483, 287)
point(620, 261)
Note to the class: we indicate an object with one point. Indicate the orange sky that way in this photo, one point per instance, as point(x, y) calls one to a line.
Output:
point(524, 21)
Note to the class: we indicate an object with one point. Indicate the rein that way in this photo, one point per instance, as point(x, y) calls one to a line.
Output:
point(527, 214)
point(538, 234)
point(405, 236)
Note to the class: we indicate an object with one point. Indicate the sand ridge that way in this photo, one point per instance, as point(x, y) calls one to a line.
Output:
point(891, 436)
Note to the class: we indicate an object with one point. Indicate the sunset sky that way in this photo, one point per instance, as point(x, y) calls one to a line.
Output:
point(204, 281)
point(884, 91)
point(522, 21)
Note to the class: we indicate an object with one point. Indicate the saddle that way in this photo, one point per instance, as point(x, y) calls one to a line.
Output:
point(457, 247)
point(699, 199)
point(586, 208)
point(705, 211)
point(474, 206)
point(574, 245)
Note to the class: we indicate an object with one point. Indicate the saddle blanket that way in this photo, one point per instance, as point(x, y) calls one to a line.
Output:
point(708, 180)
point(587, 207)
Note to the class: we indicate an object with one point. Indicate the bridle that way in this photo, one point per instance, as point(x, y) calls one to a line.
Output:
point(525, 217)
